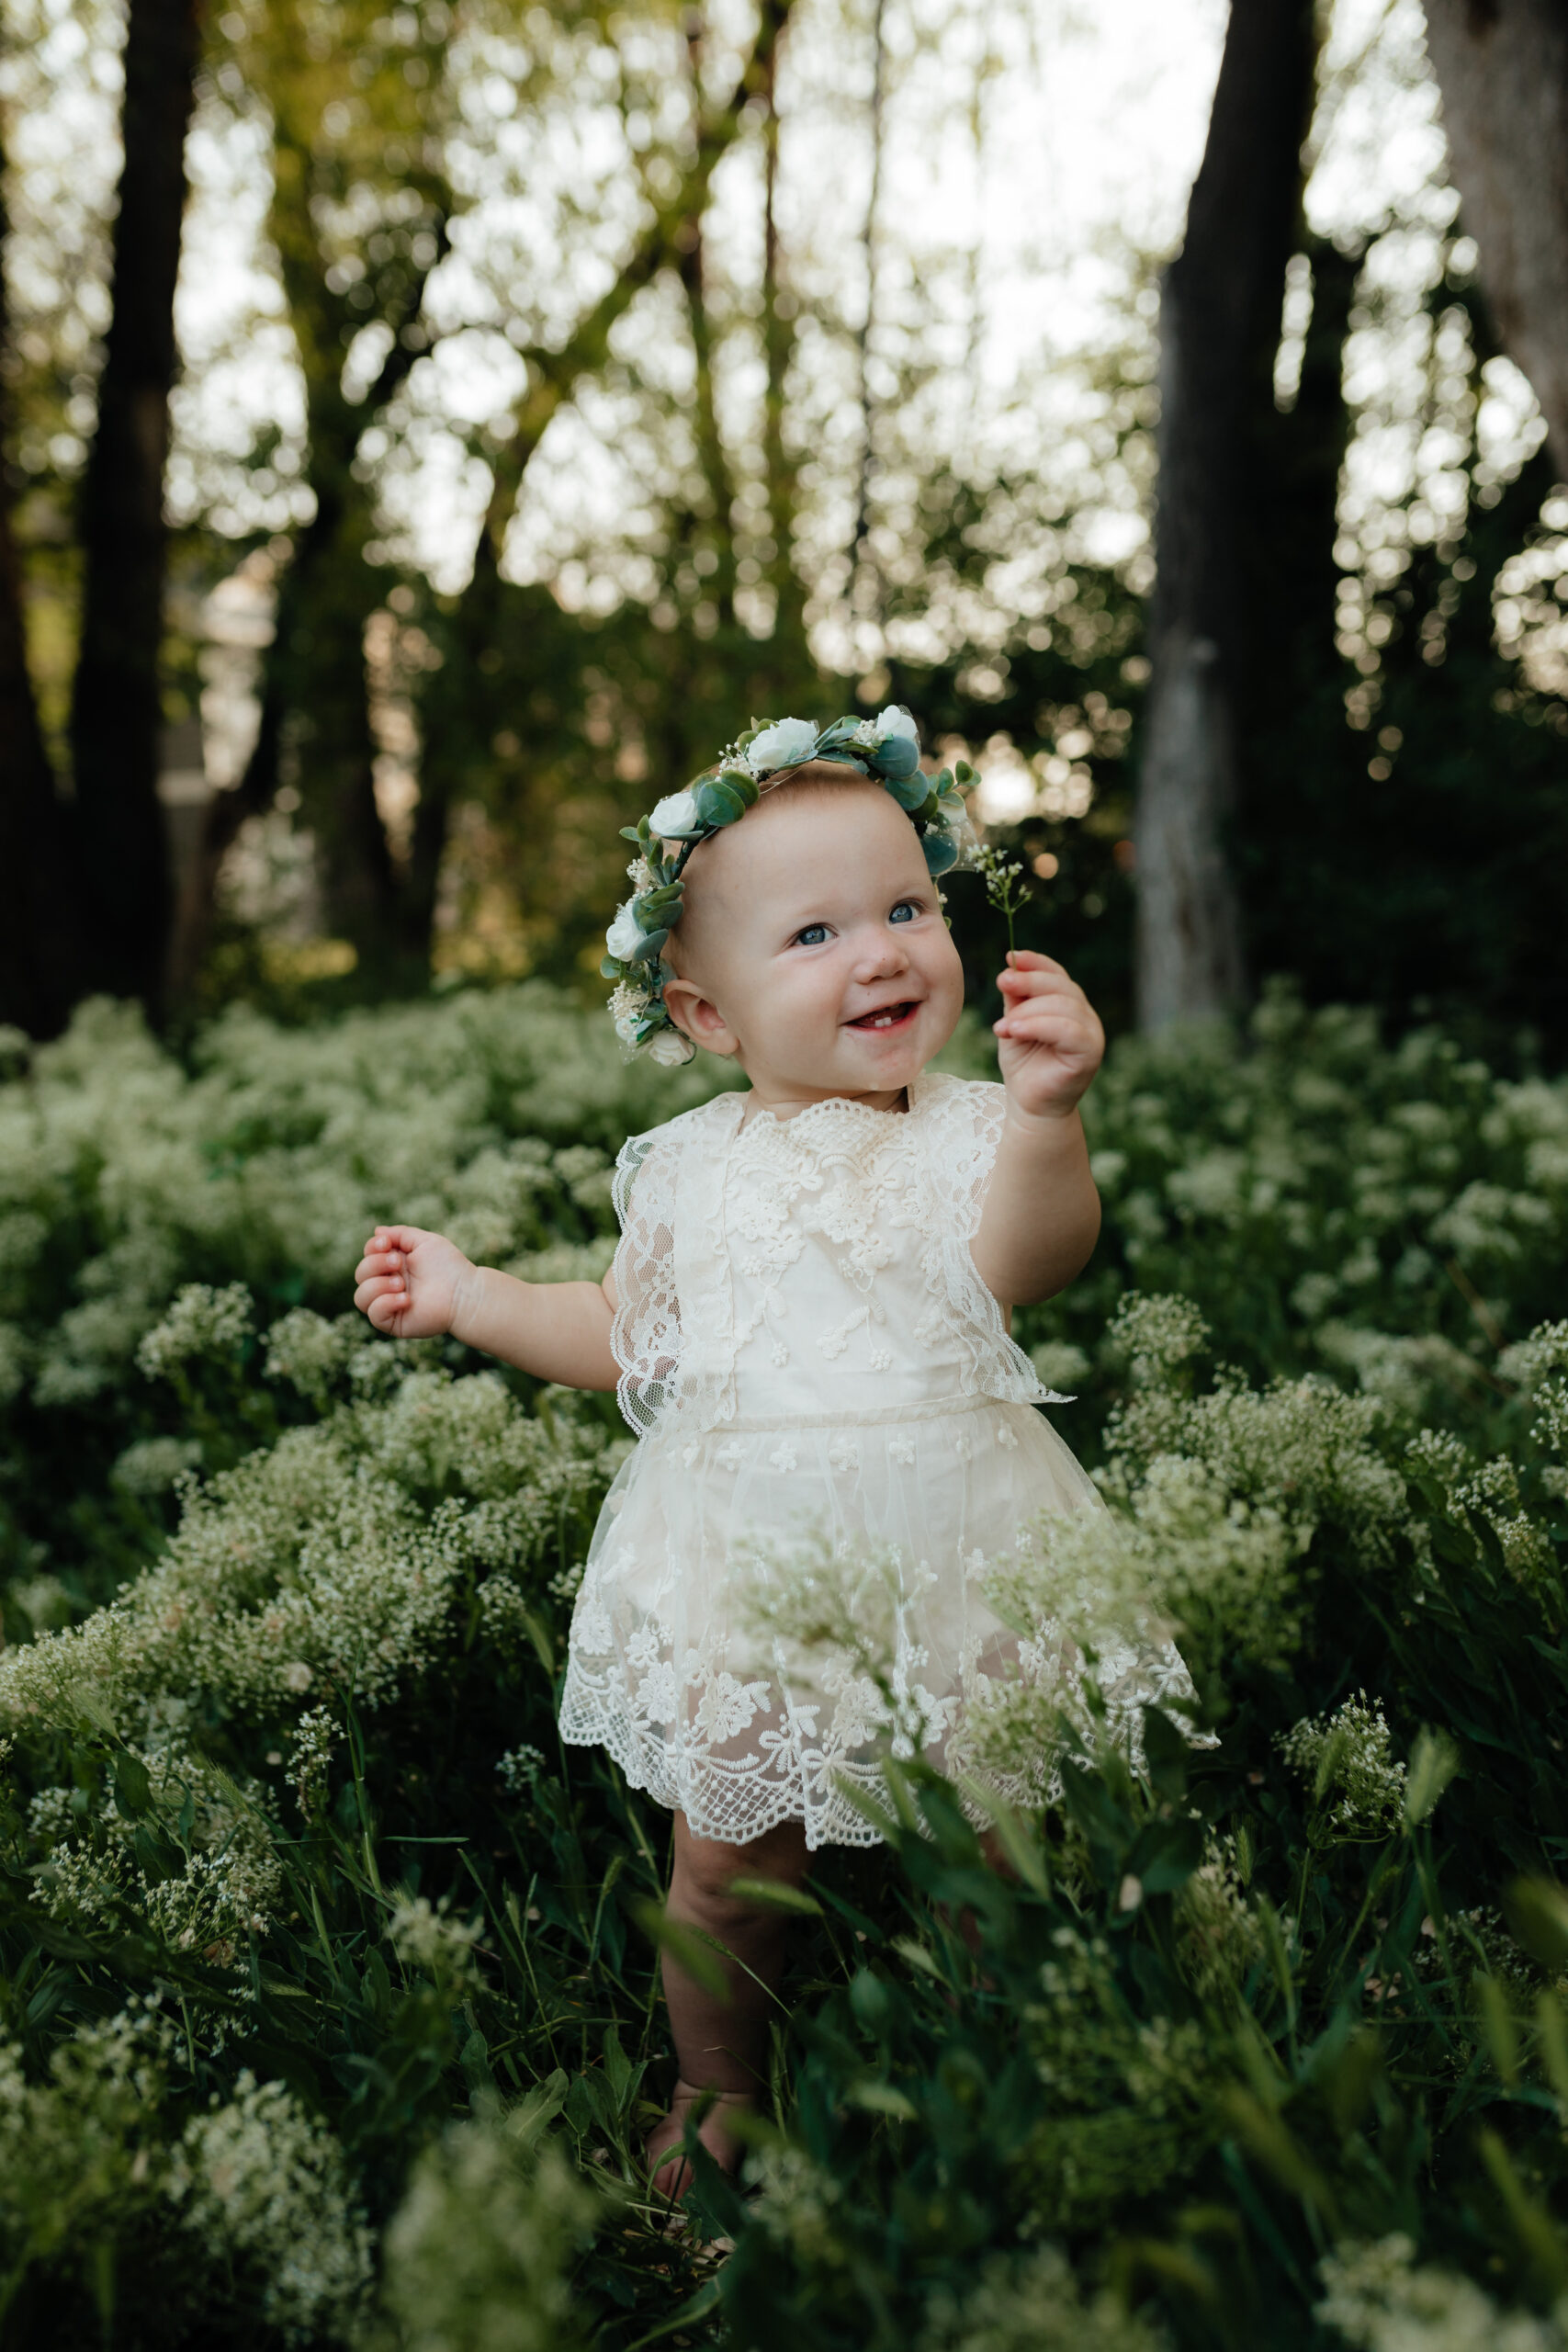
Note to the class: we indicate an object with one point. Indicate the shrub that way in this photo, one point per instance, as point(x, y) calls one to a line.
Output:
point(327, 1998)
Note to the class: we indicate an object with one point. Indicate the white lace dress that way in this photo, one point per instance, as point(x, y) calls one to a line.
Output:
point(814, 1367)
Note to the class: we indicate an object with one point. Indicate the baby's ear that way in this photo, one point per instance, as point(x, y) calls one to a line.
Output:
point(698, 1017)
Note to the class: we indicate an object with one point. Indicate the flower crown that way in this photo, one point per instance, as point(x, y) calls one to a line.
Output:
point(887, 748)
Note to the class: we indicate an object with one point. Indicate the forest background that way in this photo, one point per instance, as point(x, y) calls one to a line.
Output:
point(427, 435)
point(520, 401)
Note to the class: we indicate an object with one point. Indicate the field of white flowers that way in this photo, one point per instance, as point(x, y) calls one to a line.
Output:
point(327, 1993)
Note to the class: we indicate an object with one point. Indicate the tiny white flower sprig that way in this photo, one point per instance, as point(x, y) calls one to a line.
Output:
point(886, 747)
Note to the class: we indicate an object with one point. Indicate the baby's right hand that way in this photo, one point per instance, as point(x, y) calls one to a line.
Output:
point(409, 1282)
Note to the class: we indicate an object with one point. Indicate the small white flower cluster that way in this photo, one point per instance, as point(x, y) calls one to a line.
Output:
point(1031, 2303)
point(202, 1322)
point(478, 2253)
point(1492, 1494)
point(1349, 1757)
point(318, 1565)
point(435, 1111)
point(253, 2194)
point(520, 1769)
point(1221, 1936)
point(423, 1937)
point(316, 1735)
point(258, 2177)
point(226, 1892)
point(1381, 2300)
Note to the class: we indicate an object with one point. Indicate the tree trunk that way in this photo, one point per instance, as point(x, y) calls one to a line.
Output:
point(1219, 330)
point(40, 938)
point(116, 710)
point(1502, 66)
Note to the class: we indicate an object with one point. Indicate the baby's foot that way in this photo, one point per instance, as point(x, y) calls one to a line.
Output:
point(670, 2173)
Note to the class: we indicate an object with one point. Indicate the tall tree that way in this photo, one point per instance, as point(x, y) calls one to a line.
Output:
point(1502, 66)
point(500, 646)
point(116, 710)
point(40, 939)
point(360, 217)
point(1220, 310)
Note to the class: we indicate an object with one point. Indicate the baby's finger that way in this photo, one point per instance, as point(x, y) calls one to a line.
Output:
point(1029, 959)
point(386, 1314)
point(390, 1287)
point(378, 1261)
point(1046, 1028)
point(1028, 984)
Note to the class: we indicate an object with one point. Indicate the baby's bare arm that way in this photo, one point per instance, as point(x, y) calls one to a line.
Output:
point(415, 1284)
point(1042, 1214)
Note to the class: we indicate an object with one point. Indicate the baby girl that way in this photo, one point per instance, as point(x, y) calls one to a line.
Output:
point(807, 1323)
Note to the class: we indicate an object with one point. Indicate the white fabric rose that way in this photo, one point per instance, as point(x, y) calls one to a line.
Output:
point(670, 1048)
point(782, 745)
point(676, 817)
point(626, 1029)
point(893, 721)
point(625, 933)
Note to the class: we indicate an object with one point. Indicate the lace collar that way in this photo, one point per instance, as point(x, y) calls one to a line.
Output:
point(842, 1106)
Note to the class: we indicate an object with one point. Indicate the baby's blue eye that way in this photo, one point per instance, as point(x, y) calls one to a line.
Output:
point(905, 911)
point(812, 937)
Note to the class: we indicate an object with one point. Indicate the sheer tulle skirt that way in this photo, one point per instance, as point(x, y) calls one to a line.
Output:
point(676, 1668)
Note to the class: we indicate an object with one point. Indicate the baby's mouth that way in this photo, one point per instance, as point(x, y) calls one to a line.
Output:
point(885, 1017)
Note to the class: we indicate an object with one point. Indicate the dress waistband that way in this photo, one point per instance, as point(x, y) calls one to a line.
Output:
point(935, 1409)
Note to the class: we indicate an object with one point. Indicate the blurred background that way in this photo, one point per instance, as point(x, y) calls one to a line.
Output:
point(429, 431)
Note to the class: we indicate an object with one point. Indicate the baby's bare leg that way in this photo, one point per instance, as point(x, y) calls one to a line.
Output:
point(721, 2042)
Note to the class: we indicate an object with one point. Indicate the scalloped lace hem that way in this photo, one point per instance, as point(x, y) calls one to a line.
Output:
point(727, 1802)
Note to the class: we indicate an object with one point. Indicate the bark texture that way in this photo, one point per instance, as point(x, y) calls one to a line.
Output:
point(1219, 330)
point(116, 712)
point(40, 937)
point(1502, 66)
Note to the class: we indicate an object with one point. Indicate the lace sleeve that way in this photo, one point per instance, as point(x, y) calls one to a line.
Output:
point(967, 1120)
point(645, 1337)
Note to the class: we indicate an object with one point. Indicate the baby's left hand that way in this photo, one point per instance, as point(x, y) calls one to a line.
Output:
point(1049, 1037)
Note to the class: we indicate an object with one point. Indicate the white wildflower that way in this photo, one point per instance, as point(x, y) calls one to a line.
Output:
point(316, 1735)
point(478, 2255)
point(152, 1465)
point(201, 1322)
point(266, 2181)
point(423, 1937)
point(1379, 2300)
point(520, 1768)
point(1349, 1755)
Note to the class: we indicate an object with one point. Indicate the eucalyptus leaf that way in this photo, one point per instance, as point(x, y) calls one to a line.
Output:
point(895, 757)
point(719, 804)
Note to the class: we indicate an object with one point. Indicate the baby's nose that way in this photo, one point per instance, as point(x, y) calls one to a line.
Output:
point(881, 953)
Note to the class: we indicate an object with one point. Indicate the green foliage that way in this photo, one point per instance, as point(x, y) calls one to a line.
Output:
point(327, 1978)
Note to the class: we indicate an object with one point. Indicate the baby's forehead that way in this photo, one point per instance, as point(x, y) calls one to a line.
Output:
point(813, 847)
point(840, 837)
